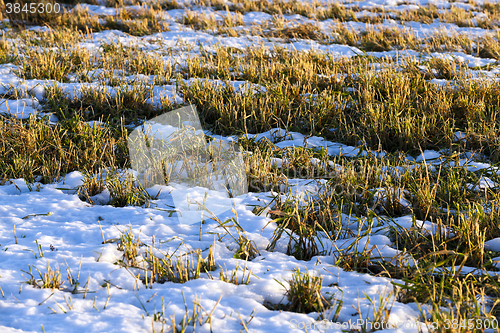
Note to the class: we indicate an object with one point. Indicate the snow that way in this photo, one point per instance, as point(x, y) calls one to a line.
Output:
point(459, 136)
point(428, 155)
point(98, 10)
point(493, 245)
point(73, 232)
point(20, 108)
point(49, 224)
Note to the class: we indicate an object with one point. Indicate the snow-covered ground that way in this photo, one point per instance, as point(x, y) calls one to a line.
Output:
point(71, 239)
point(43, 225)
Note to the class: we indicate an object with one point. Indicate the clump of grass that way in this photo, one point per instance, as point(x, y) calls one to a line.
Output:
point(48, 38)
point(445, 69)
point(8, 52)
point(339, 12)
point(489, 49)
point(376, 38)
point(459, 16)
point(449, 186)
point(247, 250)
point(52, 65)
point(304, 293)
point(129, 244)
point(132, 60)
point(312, 9)
point(211, 24)
point(209, 262)
point(199, 21)
point(49, 279)
point(299, 226)
point(264, 173)
point(232, 20)
point(60, 64)
point(299, 31)
point(136, 26)
point(178, 269)
point(353, 258)
point(122, 188)
point(124, 191)
point(168, 4)
point(154, 266)
point(384, 107)
point(247, 112)
point(80, 19)
point(136, 22)
point(93, 184)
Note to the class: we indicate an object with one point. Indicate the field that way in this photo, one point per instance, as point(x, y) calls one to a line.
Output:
point(370, 137)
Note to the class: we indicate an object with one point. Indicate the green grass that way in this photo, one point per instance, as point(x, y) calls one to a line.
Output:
point(303, 293)
point(34, 149)
point(49, 279)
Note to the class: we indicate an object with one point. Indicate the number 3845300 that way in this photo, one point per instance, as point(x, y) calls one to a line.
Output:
point(32, 8)
point(470, 324)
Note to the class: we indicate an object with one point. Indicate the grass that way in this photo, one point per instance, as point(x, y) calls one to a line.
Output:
point(125, 191)
point(434, 252)
point(49, 279)
point(385, 110)
point(246, 248)
point(139, 22)
point(178, 269)
point(93, 184)
point(129, 244)
point(303, 292)
point(34, 149)
point(388, 104)
point(194, 317)
point(51, 65)
point(126, 104)
point(232, 277)
point(155, 266)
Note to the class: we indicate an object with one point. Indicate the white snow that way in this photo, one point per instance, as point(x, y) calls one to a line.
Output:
point(73, 232)
point(49, 224)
